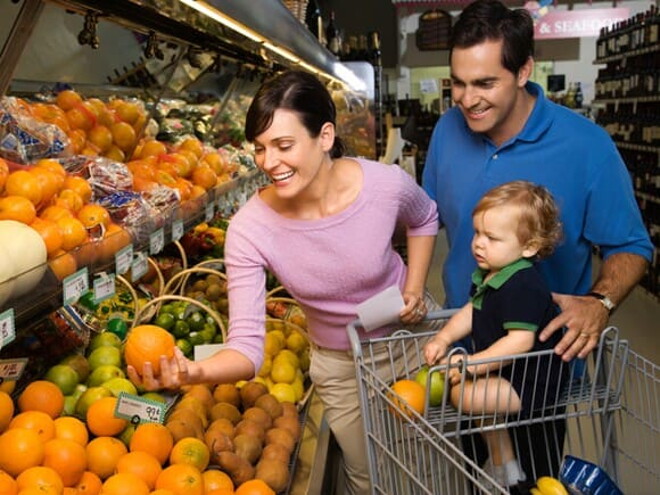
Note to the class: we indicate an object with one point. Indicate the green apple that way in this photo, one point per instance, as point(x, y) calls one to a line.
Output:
point(104, 373)
point(118, 385)
point(437, 384)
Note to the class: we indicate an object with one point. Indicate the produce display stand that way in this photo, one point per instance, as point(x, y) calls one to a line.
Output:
point(598, 428)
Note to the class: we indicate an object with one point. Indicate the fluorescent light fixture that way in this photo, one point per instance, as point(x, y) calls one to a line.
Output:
point(223, 19)
point(282, 52)
point(349, 77)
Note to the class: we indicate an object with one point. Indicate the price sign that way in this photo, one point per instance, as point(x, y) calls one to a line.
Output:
point(12, 369)
point(104, 287)
point(139, 266)
point(156, 241)
point(74, 286)
point(7, 327)
point(177, 230)
point(139, 410)
point(123, 259)
point(209, 212)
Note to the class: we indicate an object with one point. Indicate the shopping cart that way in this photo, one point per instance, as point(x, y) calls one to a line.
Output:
point(607, 414)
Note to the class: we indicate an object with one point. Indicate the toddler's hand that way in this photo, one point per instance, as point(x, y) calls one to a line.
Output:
point(435, 349)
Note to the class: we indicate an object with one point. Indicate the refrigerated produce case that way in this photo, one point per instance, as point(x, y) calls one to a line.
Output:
point(194, 76)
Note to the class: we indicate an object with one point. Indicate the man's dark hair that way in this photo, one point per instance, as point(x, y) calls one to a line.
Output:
point(491, 20)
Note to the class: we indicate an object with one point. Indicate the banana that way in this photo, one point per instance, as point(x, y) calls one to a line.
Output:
point(550, 486)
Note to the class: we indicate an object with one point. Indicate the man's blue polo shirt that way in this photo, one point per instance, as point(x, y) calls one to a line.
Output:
point(557, 148)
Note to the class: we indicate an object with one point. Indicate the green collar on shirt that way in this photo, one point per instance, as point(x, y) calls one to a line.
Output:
point(496, 281)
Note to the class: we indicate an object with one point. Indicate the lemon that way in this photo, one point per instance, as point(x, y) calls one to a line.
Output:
point(550, 486)
point(266, 367)
point(283, 372)
point(296, 342)
point(284, 392)
point(286, 355)
point(298, 388)
point(272, 344)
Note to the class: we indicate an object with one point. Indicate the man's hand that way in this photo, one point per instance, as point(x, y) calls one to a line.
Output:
point(585, 318)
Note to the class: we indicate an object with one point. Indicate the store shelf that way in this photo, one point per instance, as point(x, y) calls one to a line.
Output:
point(638, 147)
point(632, 99)
point(633, 53)
point(647, 197)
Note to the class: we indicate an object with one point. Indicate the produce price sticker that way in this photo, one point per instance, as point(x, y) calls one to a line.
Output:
point(139, 266)
point(156, 241)
point(12, 369)
point(74, 286)
point(104, 286)
point(139, 410)
point(7, 327)
point(177, 230)
point(123, 259)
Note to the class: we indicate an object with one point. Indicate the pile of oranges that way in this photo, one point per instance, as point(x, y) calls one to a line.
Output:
point(44, 453)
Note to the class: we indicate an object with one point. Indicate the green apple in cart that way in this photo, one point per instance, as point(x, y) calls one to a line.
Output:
point(437, 384)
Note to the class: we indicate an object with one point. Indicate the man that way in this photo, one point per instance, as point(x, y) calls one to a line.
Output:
point(502, 129)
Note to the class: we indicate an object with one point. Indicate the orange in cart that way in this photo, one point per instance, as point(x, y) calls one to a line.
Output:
point(412, 394)
point(42, 395)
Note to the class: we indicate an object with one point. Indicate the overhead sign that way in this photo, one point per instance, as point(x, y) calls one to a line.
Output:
point(583, 23)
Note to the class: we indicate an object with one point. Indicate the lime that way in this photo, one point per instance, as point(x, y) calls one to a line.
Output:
point(118, 327)
point(79, 364)
point(154, 396)
point(104, 339)
point(185, 346)
point(165, 320)
point(218, 338)
point(118, 385)
point(103, 373)
point(104, 355)
point(179, 313)
point(167, 308)
point(196, 321)
point(181, 329)
point(88, 397)
point(196, 338)
point(207, 335)
point(64, 376)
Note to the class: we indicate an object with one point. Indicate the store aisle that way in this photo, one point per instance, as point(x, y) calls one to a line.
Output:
point(638, 318)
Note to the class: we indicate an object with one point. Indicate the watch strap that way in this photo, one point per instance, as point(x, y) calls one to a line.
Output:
point(604, 300)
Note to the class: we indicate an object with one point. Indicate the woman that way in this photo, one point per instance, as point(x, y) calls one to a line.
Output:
point(324, 228)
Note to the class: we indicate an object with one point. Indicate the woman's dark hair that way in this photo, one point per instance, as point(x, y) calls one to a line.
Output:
point(297, 91)
point(490, 20)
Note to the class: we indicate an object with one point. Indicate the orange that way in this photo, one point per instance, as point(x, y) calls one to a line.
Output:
point(50, 232)
point(8, 386)
point(54, 213)
point(39, 422)
point(164, 178)
point(114, 239)
point(70, 428)
point(92, 215)
point(115, 154)
point(79, 117)
point(68, 99)
point(49, 181)
point(8, 485)
point(197, 192)
point(62, 264)
point(221, 491)
point(23, 183)
point(101, 137)
point(78, 139)
point(73, 232)
point(101, 419)
point(89, 484)
point(214, 479)
point(6, 410)
point(140, 184)
point(154, 439)
point(142, 168)
point(162, 491)
point(205, 177)
point(4, 173)
point(103, 454)
point(124, 484)
point(128, 112)
point(42, 395)
point(184, 187)
point(254, 487)
point(190, 451)
point(123, 136)
point(147, 343)
point(152, 148)
point(17, 208)
point(44, 478)
point(412, 394)
point(194, 145)
point(80, 186)
point(53, 166)
point(215, 161)
point(67, 458)
point(20, 449)
point(142, 464)
point(181, 479)
point(69, 199)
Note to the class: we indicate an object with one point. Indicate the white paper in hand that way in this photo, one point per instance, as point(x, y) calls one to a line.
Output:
point(381, 309)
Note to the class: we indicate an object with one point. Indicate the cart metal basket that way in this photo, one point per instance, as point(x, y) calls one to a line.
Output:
point(606, 412)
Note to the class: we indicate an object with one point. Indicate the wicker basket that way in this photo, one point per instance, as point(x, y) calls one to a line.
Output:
point(298, 8)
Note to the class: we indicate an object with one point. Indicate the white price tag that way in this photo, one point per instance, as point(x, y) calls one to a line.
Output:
point(209, 212)
point(139, 267)
point(7, 327)
point(12, 369)
point(139, 410)
point(156, 241)
point(104, 286)
point(177, 230)
point(124, 259)
point(75, 285)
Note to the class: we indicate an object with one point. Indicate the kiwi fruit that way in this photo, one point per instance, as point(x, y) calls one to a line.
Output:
point(250, 392)
point(270, 404)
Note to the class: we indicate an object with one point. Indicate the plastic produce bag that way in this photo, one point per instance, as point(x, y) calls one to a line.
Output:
point(585, 478)
point(24, 139)
point(103, 174)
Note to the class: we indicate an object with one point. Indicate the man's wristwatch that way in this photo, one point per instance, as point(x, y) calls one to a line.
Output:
point(604, 300)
